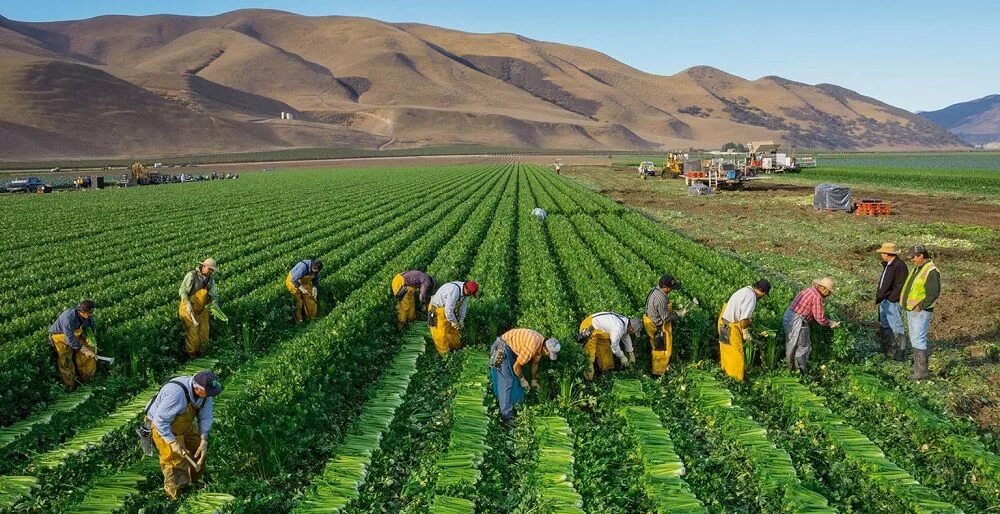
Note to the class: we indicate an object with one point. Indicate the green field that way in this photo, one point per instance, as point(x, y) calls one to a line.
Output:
point(350, 414)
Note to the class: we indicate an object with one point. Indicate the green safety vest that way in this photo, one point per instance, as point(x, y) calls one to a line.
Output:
point(916, 285)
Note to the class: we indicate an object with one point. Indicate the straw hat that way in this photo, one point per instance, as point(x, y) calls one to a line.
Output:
point(825, 282)
point(210, 264)
point(889, 248)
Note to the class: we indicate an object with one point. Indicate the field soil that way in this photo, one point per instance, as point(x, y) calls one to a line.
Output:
point(774, 227)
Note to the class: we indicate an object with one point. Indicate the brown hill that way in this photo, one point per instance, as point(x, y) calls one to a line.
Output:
point(975, 121)
point(156, 85)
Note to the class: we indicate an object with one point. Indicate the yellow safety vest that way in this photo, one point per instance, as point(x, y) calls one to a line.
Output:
point(916, 284)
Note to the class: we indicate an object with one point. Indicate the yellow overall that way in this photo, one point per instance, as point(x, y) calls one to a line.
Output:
point(445, 337)
point(661, 358)
point(305, 304)
point(406, 308)
point(72, 364)
point(177, 471)
point(731, 345)
point(195, 336)
point(598, 349)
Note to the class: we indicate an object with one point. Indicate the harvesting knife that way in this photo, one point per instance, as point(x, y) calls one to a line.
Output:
point(109, 360)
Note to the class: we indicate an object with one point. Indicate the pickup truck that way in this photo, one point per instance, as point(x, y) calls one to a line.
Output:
point(28, 185)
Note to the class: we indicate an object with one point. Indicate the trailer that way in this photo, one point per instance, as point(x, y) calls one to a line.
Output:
point(763, 157)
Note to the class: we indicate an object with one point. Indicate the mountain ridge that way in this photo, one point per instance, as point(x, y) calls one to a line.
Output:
point(218, 83)
point(975, 121)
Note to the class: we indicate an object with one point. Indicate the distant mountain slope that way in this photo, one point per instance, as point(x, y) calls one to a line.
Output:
point(975, 122)
point(154, 85)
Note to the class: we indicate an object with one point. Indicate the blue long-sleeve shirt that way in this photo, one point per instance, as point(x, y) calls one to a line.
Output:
point(67, 323)
point(172, 401)
point(302, 269)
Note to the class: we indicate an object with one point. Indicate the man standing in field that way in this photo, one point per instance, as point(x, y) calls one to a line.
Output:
point(733, 325)
point(404, 288)
point(446, 314)
point(76, 357)
point(891, 334)
point(180, 418)
point(508, 355)
point(658, 321)
point(303, 283)
point(922, 288)
point(806, 307)
point(603, 336)
point(198, 294)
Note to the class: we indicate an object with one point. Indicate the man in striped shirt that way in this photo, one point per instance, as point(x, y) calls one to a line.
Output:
point(508, 355)
point(806, 307)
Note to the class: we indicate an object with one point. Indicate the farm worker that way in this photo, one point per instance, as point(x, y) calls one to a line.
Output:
point(446, 314)
point(922, 288)
point(197, 288)
point(404, 289)
point(76, 357)
point(659, 322)
point(603, 336)
point(508, 355)
point(807, 306)
point(180, 418)
point(303, 283)
point(891, 334)
point(733, 325)
point(539, 213)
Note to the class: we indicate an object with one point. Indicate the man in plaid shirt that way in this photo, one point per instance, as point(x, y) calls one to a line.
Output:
point(807, 306)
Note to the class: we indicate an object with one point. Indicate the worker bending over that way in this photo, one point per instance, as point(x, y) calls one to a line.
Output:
point(733, 325)
point(659, 323)
point(404, 289)
point(303, 283)
point(508, 355)
point(180, 418)
point(198, 294)
point(603, 336)
point(806, 307)
point(891, 334)
point(76, 357)
point(446, 314)
point(922, 288)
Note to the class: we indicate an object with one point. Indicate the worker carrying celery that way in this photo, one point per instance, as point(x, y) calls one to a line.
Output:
point(76, 356)
point(446, 314)
point(178, 420)
point(805, 308)
point(303, 284)
point(508, 355)
point(658, 321)
point(198, 297)
point(604, 335)
point(404, 289)
point(735, 320)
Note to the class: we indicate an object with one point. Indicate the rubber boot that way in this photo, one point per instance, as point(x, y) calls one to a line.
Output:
point(901, 342)
point(885, 341)
point(920, 365)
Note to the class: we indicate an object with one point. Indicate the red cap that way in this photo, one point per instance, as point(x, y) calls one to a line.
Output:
point(471, 288)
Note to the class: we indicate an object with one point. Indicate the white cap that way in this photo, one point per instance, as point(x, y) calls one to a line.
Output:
point(553, 346)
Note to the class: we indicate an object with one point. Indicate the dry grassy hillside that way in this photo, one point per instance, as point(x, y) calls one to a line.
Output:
point(118, 85)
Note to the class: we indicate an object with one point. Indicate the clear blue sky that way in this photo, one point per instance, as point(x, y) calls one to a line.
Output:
point(919, 55)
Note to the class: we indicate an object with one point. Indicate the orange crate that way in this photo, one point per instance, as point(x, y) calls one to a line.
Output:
point(873, 207)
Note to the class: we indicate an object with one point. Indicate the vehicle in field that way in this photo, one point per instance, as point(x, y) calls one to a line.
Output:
point(28, 185)
point(763, 156)
point(646, 169)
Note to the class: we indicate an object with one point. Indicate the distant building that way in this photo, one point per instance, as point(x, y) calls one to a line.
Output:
point(287, 116)
point(992, 146)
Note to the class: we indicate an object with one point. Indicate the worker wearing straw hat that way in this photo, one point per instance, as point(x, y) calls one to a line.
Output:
point(891, 334)
point(805, 308)
point(198, 294)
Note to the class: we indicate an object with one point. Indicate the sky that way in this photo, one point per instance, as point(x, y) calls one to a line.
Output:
point(918, 55)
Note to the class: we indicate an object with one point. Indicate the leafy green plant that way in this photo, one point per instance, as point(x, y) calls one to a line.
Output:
point(555, 465)
point(205, 503)
point(459, 465)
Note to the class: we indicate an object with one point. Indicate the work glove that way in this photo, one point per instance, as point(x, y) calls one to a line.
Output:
point(629, 360)
point(534, 384)
point(304, 290)
point(87, 352)
point(199, 455)
point(315, 292)
point(834, 324)
point(175, 447)
point(456, 326)
point(683, 312)
point(524, 383)
point(746, 334)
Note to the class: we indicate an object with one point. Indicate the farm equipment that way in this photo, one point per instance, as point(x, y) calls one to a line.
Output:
point(673, 165)
point(763, 157)
point(647, 169)
point(717, 173)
